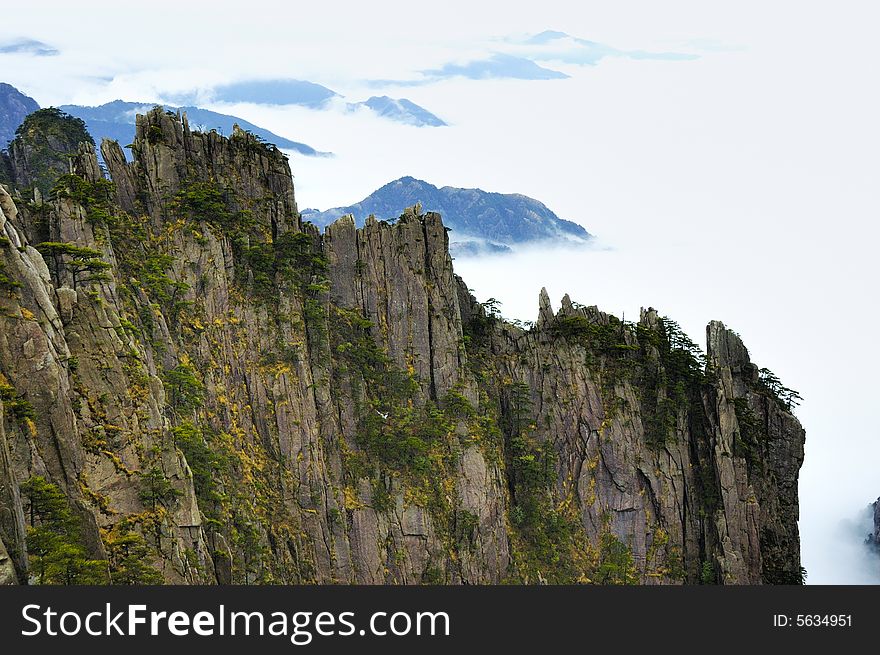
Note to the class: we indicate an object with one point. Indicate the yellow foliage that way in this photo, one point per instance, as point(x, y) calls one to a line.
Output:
point(350, 499)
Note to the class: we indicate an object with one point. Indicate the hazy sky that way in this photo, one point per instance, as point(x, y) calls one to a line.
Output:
point(739, 184)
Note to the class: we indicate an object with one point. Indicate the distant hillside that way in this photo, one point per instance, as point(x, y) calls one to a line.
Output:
point(317, 96)
point(480, 221)
point(402, 111)
point(275, 92)
point(14, 106)
point(115, 120)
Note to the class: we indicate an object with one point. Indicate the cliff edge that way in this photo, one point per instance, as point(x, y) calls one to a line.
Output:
point(191, 374)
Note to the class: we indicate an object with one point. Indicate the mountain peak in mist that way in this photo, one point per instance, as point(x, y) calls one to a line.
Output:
point(116, 121)
point(481, 220)
point(403, 111)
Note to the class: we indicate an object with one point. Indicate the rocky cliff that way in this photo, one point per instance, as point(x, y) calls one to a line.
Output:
point(873, 538)
point(197, 386)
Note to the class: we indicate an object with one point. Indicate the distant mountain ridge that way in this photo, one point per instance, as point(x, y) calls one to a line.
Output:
point(115, 120)
point(402, 111)
point(317, 96)
point(275, 92)
point(14, 106)
point(480, 221)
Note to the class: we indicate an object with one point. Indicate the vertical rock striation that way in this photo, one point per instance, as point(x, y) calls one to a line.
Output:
point(202, 373)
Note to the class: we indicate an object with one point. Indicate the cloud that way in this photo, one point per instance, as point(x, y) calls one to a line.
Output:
point(520, 61)
point(496, 66)
point(28, 47)
point(712, 45)
point(552, 45)
point(290, 92)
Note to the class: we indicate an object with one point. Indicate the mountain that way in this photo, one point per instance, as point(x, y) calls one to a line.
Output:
point(498, 66)
point(275, 92)
point(402, 111)
point(480, 221)
point(198, 387)
point(14, 106)
point(317, 96)
point(41, 151)
point(116, 120)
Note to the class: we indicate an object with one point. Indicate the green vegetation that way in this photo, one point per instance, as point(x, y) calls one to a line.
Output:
point(707, 573)
point(52, 122)
point(263, 262)
point(466, 526)
point(607, 339)
point(127, 557)
point(208, 465)
point(184, 388)
point(670, 383)
point(768, 383)
point(254, 143)
point(156, 489)
point(663, 362)
point(55, 551)
point(751, 433)
point(7, 282)
point(50, 138)
point(14, 403)
point(140, 251)
point(406, 444)
point(548, 535)
point(78, 261)
point(154, 135)
point(241, 503)
point(293, 258)
point(616, 564)
point(96, 198)
point(396, 432)
point(208, 201)
point(265, 479)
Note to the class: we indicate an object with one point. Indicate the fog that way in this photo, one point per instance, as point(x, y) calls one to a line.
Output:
point(740, 186)
point(796, 330)
point(855, 561)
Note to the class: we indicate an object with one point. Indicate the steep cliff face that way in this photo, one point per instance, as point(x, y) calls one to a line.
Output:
point(214, 384)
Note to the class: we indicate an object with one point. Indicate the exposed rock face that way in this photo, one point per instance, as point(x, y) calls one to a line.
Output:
point(873, 539)
point(264, 403)
point(877, 521)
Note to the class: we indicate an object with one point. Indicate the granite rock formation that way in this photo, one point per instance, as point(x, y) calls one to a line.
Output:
point(207, 378)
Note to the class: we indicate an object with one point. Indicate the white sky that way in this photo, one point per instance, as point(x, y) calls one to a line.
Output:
point(742, 186)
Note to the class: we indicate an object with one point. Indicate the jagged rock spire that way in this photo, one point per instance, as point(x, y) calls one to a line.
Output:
point(545, 309)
